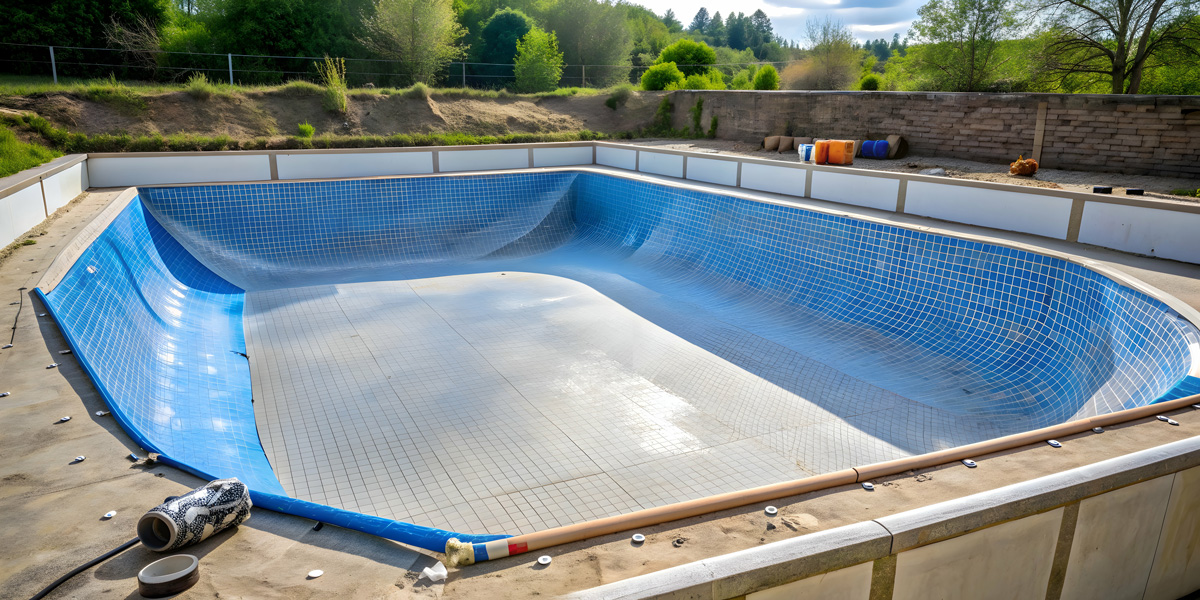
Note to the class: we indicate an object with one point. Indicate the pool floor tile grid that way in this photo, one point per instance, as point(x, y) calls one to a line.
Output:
point(511, 403)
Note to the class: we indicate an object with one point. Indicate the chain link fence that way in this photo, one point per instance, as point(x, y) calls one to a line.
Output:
point(158, 65)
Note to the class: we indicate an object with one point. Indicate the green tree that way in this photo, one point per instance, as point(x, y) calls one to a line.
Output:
point(421, 33)
point(692, 58)
point(672, 23)
point(1118, 39)
point(593, 32)
point(501, 33)
point(662, 76)
point(649, 34)
point(833, 57)
point(959, 42)
point(708, 80)
point(700, 21)
point(285, 27)
point(767, 78)
point(539, 64)
point(716, 28)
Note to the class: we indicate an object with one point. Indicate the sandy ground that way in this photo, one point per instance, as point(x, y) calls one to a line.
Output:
point(50, 509)
point(1081, 181)
point(250, 115)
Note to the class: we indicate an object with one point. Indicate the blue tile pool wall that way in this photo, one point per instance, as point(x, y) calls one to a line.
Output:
point(254, 235)
point(1033, 337)
point(161, 335)
point(1048, 335)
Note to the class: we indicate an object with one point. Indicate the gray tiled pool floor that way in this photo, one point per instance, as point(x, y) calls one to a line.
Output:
point(510, 403)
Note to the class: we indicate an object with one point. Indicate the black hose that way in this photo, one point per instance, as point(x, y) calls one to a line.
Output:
point(85, 566)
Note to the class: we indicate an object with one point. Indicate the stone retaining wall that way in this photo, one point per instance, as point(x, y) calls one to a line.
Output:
point(1158, 135)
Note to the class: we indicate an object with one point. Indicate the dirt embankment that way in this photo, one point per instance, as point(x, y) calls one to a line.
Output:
point(249, 115)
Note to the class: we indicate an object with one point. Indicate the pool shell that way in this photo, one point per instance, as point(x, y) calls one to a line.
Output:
point(1043, 339)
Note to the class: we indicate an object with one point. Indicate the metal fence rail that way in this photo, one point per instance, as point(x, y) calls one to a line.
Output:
point(162, 65)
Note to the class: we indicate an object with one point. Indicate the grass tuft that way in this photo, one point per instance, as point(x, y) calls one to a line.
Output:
point(115, 94)
point(419, 91)
point(305, 130)
point(16, 156)
point(199, 87)
point(619, 96)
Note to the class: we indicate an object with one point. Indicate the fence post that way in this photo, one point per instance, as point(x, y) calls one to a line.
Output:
point(584, 78)
point(230, 69)
point(464, 74)
point(53, 65)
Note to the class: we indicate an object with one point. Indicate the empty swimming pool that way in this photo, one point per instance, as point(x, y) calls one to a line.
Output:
point(500, 354)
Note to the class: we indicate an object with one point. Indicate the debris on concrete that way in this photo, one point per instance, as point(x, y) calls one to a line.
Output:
point(679, 542)
point(110, 514)
point(315, 573)
point(52, 365)
point(438, 572)
point(936, 171)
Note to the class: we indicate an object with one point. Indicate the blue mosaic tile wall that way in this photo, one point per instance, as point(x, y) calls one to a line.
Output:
point(161, 335)
point(964, 326)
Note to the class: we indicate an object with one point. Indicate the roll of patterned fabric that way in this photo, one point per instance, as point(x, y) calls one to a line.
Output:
point(195, 516)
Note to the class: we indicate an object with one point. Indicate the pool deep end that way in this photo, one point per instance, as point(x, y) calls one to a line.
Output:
point(980, 333)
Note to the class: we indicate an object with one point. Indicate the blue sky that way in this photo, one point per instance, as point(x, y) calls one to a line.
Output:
point(867, 19)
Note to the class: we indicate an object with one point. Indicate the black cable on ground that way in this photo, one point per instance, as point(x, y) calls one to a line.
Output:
point(85, 566)
point(19, 307)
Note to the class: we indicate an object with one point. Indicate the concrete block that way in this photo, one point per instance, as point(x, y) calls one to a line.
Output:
point(1115, 539)
point(851, 583)
point(1010, 560)
point(1176, 570)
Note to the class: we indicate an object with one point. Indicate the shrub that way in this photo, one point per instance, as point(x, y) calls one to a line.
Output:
point(712, 80)
point(419, 91)
point(693, 58)
point(696, 111)
point(870, 82)
point(660, 126)
point(333, 76)
point(538, 64)
point(767, 78)
point(305, 130)
point(712, 128)
point(199, 87)
point(619, 96)
point(662, 75)
point(299, 87)
point(744, 80)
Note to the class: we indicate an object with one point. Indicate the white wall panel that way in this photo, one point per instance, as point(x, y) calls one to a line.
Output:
point(483, 160)
point(723, 172)
point(616, 157)
point(1164, 233)
point(20, 212)
point(1047, 216)
point(151, 170)
point(364, 164)
point(64, 186)
point(562, 157)
point(781, 180)
point(658, 163)
point(859, 190)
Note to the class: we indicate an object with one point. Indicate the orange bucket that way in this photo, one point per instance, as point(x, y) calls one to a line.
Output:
point(841, 152)
point(821, 152)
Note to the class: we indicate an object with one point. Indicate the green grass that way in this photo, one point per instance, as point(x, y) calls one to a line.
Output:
point(305, 130)
point(73, 143)
point(16, 156)
point(115, 94)
point(199, 87)
point(1187, 192)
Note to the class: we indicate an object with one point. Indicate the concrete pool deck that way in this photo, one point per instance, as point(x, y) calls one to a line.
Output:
point(49, 510)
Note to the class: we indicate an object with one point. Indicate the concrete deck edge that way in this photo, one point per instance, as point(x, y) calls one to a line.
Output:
point(19, 181)
point(739, 573)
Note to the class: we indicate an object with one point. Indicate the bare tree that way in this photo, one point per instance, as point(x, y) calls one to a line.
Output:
point(139, 40)
point(834, 59)
point(1116, 39)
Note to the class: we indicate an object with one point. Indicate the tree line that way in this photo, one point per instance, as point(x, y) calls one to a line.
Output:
point(1109, 46)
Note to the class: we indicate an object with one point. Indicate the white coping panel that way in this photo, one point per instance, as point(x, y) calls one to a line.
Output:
point(154, 170)
point(483, 160)
point(658, 163)
point(364, 164)
point(1047, 216)
point(20, 212)
point(1010, 560)
point(562, 157)
point(723, 172)
point(1164, 233)
point(781, 180)
point(616, 157)
point(63, 186)
point(859, 190)
point(850, 583)
point(1116, 535)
